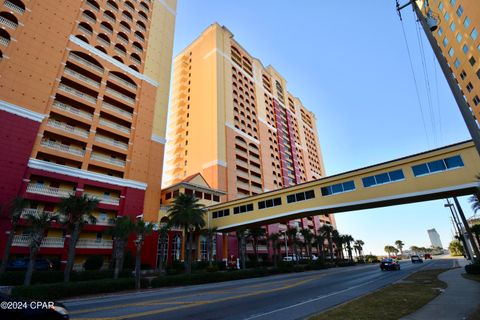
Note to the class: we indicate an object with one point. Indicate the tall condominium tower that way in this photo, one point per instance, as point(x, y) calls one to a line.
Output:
point(434, 238)
point(234, 121)
point(84, 94)
point(458, 38)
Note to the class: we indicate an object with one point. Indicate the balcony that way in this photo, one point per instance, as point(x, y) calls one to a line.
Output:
point(114, 125)
point(107, 159)
point(62, 147)
point(4, 41)
point(111, 7)
point(135, 60)
point(80, 60)
point(112, 142)
point(106, 29)
point(68, 128)
point(48, 242)
point(13, 7)
point(34, 212)
point(105, 199)
point(92, 6)
point(72, 110)
point(103, 41)
point(85, 30)
point(139, 38)
point(94, 243)
point(110, 107)
point(8, 23)
point(124, 28)
point(49, 191)
point(123, 40)
point(120, 51)
point(141, 28)
point(138, 49)
point(124, 82)
point(77, 93)
point(120, 95)
point(88, 18)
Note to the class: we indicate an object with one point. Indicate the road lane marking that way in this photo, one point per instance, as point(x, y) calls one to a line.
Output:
point(194, 304)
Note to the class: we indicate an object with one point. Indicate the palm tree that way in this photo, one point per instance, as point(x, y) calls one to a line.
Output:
point(320, 243)
point(326, 231)
point(255, 233)
point(476, 231)
point(242, 244)
point(76, 211)
point(292, 239)
point(274, 238)
point(16, 208)
point(359, 245)
point(400, 245)
point(415, 249)
point(39, 223)
point(120, 232)
point(210, 234)
point(388, 249)
point(187, 213)
point(163, 237)
point(348, 239)
point(337, 238)
point(142, 229)
point(307, 241)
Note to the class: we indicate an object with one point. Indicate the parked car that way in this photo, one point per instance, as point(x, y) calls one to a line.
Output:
point(22, 264)
point(291, 258)
point(389, 264)
point(31, 310)
point(427, 256)
point(416, 259)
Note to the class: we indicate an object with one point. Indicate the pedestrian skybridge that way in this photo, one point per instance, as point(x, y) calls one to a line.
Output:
point(436, 174)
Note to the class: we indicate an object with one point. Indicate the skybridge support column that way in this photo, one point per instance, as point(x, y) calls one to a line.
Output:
point(225, 246)
point(467, 228)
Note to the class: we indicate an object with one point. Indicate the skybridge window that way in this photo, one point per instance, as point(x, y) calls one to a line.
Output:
point(437, 166)
point(220, 213)
point(269, 203)
point(243, 208)
point(301, 196)
point(338, 188)
point(383, 178)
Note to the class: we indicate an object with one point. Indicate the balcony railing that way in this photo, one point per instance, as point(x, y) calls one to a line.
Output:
point(106, 16)
point(135, 60)
point(49, 191)
point(124, 82)
point(13, 7)
point(138, 49)
point(68, 128)
point(120, 95)
point(87, 17)
point(4, 41)
point(124, 28)
point(85, 30)
point(48, 242)
point(123, 40)
point(94, 243)
point(120, 51)
point(77, 93)
point(8, 23)
point(111, 7)
point(62, 147)
point(108, 106)
point(106, 29)
point(114, 125)
point(139, 38)
point(107, 159)
point(103, 41)
point(141, 27)
point(105, 199)
point(70, 109)
point(34, 212)
point(91, 5)
point(112, 142)
point(124, 16)
point(93, 66)
point(82, 77)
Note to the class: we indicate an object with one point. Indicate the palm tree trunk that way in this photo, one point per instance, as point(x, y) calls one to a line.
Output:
point(275, 254)
point(243, 251)
point(255, 250)
point(119, 249)
point(8, 247)
point(330, 245)
point(189, 257)
point(138, 264)
point(71, 252)
point(34, 247)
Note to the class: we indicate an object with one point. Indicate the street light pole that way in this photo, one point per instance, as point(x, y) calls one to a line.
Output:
point(452, 83)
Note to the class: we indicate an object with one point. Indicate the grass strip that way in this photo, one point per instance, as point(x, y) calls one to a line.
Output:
point(392, 302)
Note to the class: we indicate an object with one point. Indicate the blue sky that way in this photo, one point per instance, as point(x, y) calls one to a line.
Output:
point(347, 61)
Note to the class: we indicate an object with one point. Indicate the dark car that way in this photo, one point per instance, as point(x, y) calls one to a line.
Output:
point(389, 264)
point(427, 256)
point(416, 259)
point(22, 309)
point(22, 264)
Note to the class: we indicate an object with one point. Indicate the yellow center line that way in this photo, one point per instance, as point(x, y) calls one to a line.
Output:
point(199, 303)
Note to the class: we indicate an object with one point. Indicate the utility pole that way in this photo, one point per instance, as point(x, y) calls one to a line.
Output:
point(467, 228)
point(452, 83)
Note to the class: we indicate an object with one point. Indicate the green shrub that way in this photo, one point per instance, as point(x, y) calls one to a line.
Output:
point(94, 262)
point(15, 278)
point(473, 268)
point(71, 289)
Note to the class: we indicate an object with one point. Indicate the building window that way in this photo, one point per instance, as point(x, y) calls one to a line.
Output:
point(466, 22)
point(459, 11)
point(447, 16)
point(176, 247)
point(188, 191)
point(383, 178)
point(463, 74)
point(440, 31)
point(472, 61)
point(445, 42)
point(469, 87)
point(451, 52)
point(476, 100)
point(175, 193)
point(338, 188)
point(199, 194)
point(301, 196)
point(459, 37)
point(456, 64)
point(203, 248)
point(168, 195)
point(269, 203)
point(207, 196)
point(220, 213)
point(465, 48)
point(452, 26)
point(216, 198)
point(437, 166)
point(452, 2)
point(440, 6)
point(243, 209)
point(474, 34)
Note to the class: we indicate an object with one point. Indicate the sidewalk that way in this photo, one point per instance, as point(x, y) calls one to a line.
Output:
point(457, 302)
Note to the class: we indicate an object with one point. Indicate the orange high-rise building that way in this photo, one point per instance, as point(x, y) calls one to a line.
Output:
point(458, 36)
point(83, 102)
point(234, 121)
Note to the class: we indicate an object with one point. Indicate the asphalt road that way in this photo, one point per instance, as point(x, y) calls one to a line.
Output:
point(287, 296)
